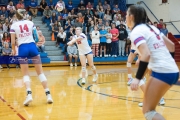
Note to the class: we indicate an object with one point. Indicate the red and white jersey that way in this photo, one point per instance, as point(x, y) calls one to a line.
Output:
point(24, 31)
point(160, 60)
point(83, 45)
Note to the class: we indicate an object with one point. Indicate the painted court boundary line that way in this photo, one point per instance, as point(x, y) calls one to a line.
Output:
point(9, 106)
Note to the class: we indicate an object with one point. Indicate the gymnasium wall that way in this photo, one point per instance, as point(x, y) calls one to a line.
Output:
point(168, 12)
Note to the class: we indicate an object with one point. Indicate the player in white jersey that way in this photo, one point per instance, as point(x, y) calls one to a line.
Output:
point(23, 31)
point(84, 52)
point(153, 48)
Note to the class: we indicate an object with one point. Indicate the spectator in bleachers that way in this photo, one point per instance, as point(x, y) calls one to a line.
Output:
point(26, 15)
point(72, 53)
point(5, 25)
point(43, 5)
point(108, 16)
point(62, 3)
point(103, 34)
point(108, 43)
point(4, 12)
point(68, 25)
point(46, 14)
point(33, 8)
point(122, 39)
point(89, 6)
point(95, 41)
point(77, 23)
point(101, 12)
point(51, 5)
point(38, 29)
point(116, 9)
point(107, 26)
point(1, 32)
point(11, 14)
point(160, 25)
point(55, 29)
point(53, 18)
point(96, 17)
point(6, 38)
point(40, 43)
point(30, 18)
point(98, 6)
point(80, 18)
point(100, 24)
point(105, 6)
point(88, 25)
point(70, 33)
point(61, 37)
point(109, 9)
point(115, 34)
point(82, 10)
point(70, 6)
point(10, 6)
point(20, 5)
point(81, 4)
point(155, 24)
point(164, 30)
point(6, 51)
point(87, 16)
point(2, 19)
point(73, 14)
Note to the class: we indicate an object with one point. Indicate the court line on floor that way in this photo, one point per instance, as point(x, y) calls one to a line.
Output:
point(120, 97)
point(9, 106)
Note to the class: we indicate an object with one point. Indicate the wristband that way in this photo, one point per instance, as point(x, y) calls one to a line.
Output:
point(172, 54)
point(141, 70)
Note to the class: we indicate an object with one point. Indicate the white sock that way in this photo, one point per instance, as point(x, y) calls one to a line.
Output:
point(129, 75)
point(46, 90)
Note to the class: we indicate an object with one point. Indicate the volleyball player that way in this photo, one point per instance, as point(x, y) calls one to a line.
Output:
point(153, 48)
point(23, 31)
point(84, 52)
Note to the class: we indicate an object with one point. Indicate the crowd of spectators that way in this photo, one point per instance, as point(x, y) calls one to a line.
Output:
point(103, 24)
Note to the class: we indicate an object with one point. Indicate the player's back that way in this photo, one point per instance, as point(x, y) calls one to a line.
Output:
point(24, 31)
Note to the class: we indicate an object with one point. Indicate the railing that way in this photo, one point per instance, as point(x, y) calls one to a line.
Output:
point(142, 2)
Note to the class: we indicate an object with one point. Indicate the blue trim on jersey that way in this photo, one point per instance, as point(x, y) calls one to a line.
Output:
point(28, 50)
point(89, 53)
point(169, 78)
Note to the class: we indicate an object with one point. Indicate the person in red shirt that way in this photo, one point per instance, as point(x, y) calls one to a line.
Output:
point(160, 25)
point(20, 5)
point(115, 34)
point(89, 6)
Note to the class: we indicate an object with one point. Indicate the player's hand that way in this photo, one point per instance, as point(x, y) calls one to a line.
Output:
point(135, 84)
point(70, 43)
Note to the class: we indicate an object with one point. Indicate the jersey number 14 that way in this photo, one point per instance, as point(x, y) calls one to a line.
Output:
point(22, 28)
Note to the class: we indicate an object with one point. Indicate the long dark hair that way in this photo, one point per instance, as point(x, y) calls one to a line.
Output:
point(139, 13)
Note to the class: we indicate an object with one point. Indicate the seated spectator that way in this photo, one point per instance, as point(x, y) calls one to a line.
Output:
point(38, 29)
point(81, 4)
point(155, 24)
point(70, 34)
point(1, 31)
point(116, 9)
point(5, 25)
point(20, 5)
point(77, 23)
point(98, 6)
point(10, 6)
point(160, 25)
point(73, 14)
point(30, 18)
point(43, 5)
point(6, 51)
point(72, 53)
point(116, 16)
point(61, 37)
point(103, 34)
point(89, 6)
point(6, 38)
point(68, 25)
point(101, 12)
point(33, 8)
point(53, 18)
point(11, 14)
point(164, 30)
point(46, 14)
point(87, 16)
point(95, 41)
point(83, 10)
point(100, 24)
point(62, 3)
point(4, 12)
point(51, 5)
point(55, 29)
point(26, 15)
point(2, 19)
point(80, 18)
point(40, 43)
point(70, 6)
point(108, 16)
point(108, 43)
point(105, 6)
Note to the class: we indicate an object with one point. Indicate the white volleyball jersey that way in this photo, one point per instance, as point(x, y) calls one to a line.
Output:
point(160, 60)
point(83, 45)
point(23, 30)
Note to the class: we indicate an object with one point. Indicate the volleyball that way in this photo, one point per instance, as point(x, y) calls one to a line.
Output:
point(59, 7)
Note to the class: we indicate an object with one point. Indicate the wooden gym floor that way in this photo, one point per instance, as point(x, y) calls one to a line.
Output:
point(108, 99)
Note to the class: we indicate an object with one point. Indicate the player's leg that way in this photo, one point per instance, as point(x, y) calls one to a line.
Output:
point(104, 50)
point(131, 57)
point(70, 60)
point(76, 58)
point(101, 49)
point(83, 70)
point(91, 64)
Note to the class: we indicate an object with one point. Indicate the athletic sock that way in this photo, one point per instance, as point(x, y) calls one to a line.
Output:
point(129, 75)
point(28, 91)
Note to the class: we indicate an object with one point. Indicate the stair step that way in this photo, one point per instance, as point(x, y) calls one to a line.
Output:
point(50, 43)
point(51, 48)
point(54, 53)
point(57, 58)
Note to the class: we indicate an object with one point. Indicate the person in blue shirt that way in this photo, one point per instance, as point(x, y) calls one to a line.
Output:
point(70, 6)
point(51, 5)
point(164, 30)
point(103, 34)
point(33, 8)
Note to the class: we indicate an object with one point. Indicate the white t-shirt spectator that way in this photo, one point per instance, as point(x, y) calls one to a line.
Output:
point(61, 35)
point(108, 40)
point(95, 37)
point(9, 7)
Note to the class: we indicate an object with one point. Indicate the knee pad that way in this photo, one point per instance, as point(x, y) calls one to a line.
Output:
point(128, 64)
point(26, 79)
point(42, 77)
point(149, 115)
point(93, 68)
point(83, 69)
point(141, 83)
